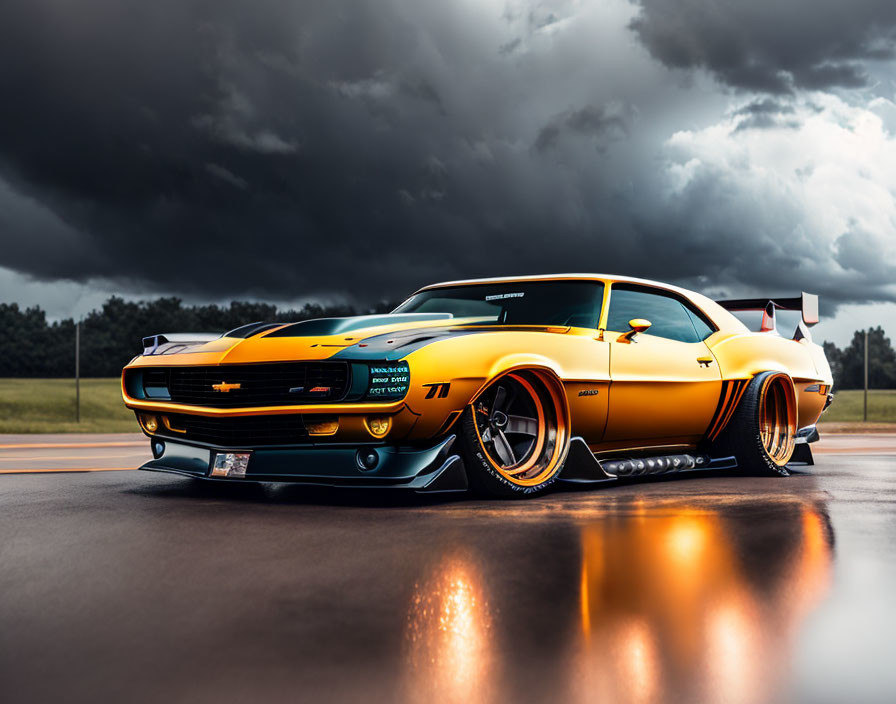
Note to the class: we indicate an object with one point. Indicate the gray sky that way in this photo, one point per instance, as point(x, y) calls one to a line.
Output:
point(350, 149)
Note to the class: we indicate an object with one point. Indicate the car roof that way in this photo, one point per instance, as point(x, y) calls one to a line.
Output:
point(721, 317)
point(605, 278)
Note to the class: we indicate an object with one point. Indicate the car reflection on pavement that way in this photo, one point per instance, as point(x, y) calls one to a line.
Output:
point(679, 600)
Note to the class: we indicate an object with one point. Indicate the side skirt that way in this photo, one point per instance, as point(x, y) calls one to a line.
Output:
point(583, 467)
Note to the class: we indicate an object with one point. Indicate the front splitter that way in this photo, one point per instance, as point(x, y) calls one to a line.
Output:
point(431, 469)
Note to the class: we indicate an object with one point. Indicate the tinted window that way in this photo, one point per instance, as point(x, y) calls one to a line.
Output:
point(703, 328)
point(575, 303)
point(668, 316)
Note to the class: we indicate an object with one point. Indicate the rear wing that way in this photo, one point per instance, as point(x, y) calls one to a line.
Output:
point(806, 303)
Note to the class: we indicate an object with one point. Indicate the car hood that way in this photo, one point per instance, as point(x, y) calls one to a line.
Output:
point(385, 337)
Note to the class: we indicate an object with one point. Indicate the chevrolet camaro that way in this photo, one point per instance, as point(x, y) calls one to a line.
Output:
point(504, 386)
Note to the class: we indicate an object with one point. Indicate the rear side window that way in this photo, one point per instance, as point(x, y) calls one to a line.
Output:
point(669, 317)
point(703, 328)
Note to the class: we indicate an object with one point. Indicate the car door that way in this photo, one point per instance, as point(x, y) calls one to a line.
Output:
point(664, 382)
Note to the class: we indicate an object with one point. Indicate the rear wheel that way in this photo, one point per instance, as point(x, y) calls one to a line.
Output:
point(514, 435)
point(762, 431)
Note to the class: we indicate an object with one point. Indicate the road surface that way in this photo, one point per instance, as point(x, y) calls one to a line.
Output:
point(129, 586)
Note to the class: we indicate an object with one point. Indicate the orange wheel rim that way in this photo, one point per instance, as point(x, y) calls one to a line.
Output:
point(521, 428)
point(777, 419)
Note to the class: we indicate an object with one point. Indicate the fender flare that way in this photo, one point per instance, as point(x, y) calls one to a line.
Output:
point(542, 366)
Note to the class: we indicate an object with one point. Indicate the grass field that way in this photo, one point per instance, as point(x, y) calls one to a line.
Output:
point(847, 406)
point(48, 406)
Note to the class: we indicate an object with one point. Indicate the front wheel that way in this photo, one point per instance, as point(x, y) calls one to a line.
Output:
point(514, 435)
point(762, 431)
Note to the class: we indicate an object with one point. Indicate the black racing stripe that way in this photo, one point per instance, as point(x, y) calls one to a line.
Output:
point(393, 346)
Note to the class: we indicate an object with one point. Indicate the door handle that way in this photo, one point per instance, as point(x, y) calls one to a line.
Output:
point(705, 361)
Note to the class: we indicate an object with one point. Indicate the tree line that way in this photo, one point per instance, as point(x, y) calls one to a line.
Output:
point(31, 346)
point(848, 364)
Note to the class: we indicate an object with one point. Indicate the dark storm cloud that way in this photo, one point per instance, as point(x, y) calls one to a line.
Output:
point(765, 106)
point(766, 113)
point(771, 45)
point(336, 147)
point(216, 146)
point(280, 148)
point(598, 122)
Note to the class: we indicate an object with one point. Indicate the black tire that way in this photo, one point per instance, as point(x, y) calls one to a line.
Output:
point(546, 450)
point(762, 447)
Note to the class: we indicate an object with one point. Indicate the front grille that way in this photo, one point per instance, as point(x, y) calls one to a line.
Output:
point(247, 385)
point(242, 432)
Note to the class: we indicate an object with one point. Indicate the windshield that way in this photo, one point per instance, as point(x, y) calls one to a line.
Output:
point(573, 303)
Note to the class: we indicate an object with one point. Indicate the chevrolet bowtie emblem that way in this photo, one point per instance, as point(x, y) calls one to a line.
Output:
point(224, 387)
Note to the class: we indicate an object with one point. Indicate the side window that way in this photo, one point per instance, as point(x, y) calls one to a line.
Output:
point(703, 328)
point(669, 318)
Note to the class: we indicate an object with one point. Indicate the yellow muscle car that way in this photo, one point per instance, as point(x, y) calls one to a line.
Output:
point(500, 385)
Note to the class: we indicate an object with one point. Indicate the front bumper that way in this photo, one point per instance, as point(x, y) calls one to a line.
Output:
point(430, 469)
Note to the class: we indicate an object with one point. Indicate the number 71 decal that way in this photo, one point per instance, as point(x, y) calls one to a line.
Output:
point(441, 389)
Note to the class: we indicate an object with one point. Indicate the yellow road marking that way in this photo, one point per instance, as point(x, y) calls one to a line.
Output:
point(68, 469)
point(68, 445)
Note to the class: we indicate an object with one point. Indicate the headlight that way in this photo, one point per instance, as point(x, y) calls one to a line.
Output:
point(388, 381)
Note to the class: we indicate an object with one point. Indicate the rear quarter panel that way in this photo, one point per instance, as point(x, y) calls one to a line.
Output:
point(743, 355)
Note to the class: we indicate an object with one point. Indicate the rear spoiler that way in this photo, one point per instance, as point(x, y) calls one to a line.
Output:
point(806, 303)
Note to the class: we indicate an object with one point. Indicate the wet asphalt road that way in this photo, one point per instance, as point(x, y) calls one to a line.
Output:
point(139, 587)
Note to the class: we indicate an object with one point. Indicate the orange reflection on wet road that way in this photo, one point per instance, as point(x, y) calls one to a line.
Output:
point(671, 602)
point(449, 636)
point(694, 605)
